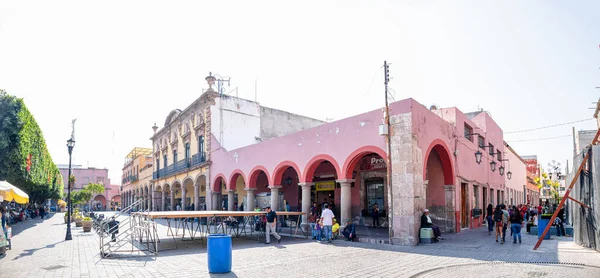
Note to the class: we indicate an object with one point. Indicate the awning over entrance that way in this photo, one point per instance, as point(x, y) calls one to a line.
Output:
point(12, 193)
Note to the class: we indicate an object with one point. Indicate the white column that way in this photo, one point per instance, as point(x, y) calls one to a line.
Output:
point(230, 199)
point(162, 201)
point(172, 199)
point(275, 197)
point(346, 202)
point(196, 198)
point(208, 197)
point(183, 194)
point(250, 199)
point(215, 201)
point(306, 186)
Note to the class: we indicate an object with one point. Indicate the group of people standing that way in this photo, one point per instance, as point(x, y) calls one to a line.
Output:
point(501, 218)
point(325, 228)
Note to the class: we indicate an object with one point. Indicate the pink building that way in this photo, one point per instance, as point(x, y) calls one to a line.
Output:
point(84, 176)
point(434, 166)
point(517, 185)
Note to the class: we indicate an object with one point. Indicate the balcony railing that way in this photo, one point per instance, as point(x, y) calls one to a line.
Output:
point(180, 166)
point(131, 178)
point(198, 159)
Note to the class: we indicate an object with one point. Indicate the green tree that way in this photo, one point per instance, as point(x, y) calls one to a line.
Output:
point(22, 140)
point(80, 197)
point(93, 189)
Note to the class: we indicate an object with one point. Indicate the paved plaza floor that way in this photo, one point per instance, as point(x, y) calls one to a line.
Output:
point(39, 250)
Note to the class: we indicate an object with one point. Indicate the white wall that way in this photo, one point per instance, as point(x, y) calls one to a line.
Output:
point(519, 176)
point(241, 122)
point(277, 123)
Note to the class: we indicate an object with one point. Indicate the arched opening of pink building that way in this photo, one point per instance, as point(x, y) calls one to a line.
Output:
point(99, 202)
point(439, 179)
point(344, 164)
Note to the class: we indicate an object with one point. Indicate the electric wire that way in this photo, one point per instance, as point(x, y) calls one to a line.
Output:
point(539, 139)
point(549, 126)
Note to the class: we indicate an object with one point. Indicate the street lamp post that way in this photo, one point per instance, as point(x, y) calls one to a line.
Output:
point(70, 145)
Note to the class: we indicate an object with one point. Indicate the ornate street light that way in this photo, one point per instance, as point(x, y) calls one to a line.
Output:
point(501, 170)
point(288, 180)
point(70, 145)
point(493, 166)
point(478, 157)
point(509, 175)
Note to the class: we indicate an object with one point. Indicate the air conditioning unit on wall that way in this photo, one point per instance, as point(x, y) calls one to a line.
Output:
point(383, 129)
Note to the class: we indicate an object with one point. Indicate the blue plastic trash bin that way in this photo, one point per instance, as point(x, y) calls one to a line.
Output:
point(219, 253)
point(542, 223)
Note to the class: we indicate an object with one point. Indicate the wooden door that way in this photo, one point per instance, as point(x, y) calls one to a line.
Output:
point(463, 207)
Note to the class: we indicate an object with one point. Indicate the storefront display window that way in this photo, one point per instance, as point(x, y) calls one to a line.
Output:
point(375, 194)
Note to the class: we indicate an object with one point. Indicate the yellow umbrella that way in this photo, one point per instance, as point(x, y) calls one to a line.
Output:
point(10, 192)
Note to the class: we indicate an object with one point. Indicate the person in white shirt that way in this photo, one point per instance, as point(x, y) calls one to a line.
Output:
point(327, 217)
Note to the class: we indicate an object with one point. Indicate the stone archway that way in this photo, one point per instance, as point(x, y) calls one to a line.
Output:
point(99, 202)
point(365, 172)
point(236, 193)
point(258, 188)
point(187, 194)
point(219, 187)
point(440, 188)
point(322, 172)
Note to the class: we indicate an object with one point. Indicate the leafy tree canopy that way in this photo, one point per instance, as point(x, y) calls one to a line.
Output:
point(22, 140)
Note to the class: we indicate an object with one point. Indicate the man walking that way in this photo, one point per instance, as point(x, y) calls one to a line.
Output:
point(327, 217)
point(272, 226)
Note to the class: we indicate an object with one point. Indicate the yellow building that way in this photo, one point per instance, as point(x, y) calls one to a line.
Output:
point(136, 178)
point(180, 150)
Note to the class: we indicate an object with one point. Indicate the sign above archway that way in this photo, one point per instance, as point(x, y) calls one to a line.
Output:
point(372, 163)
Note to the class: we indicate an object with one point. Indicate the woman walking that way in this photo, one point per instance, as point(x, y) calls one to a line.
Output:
point(516, 222)
point(498, 214)
point(490, 218)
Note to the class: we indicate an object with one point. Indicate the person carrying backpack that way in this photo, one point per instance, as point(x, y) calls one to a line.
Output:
point(498, 221)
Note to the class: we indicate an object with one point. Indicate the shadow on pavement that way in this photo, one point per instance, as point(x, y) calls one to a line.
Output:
point(29, 252)
point(477, 244)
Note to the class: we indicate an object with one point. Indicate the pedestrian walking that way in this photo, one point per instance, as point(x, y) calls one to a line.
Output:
point(271, 226)
point(490, 218)
point(498, 222)
point(516, 223)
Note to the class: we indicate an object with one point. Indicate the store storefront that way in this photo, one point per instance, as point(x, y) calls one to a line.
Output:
point(371, 180)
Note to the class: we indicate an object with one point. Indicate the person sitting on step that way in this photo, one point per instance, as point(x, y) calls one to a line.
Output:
point(349, 231)
point(427, 223)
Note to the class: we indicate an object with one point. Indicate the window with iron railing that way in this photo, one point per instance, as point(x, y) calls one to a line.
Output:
point(468, 132)
point(481, 141)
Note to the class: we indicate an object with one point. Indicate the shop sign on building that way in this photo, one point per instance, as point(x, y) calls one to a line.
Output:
point(372, 163)
point(325, 186)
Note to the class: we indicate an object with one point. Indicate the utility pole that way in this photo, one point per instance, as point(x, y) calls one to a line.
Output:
point(389, 153)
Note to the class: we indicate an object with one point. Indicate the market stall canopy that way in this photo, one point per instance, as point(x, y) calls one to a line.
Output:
point(12, 193)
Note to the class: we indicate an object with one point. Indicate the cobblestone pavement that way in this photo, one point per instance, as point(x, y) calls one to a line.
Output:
point(39, 250)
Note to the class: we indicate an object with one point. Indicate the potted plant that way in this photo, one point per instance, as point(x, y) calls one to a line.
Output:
point(78, 220)
point(86, 223)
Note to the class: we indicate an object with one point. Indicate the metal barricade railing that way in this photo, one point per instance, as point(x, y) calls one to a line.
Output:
point(124, 232)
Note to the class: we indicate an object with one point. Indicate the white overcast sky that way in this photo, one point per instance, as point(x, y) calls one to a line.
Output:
point(120, 66)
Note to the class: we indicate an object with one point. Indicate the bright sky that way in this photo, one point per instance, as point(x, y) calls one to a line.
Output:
point(120, 66)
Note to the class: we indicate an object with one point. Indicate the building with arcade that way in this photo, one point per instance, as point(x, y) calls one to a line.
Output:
point(228, 153)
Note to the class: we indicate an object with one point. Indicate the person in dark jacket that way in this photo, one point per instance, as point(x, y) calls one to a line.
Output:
point(427, 223)
point(560, 228)
point(349, 232)
point(490, 218)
